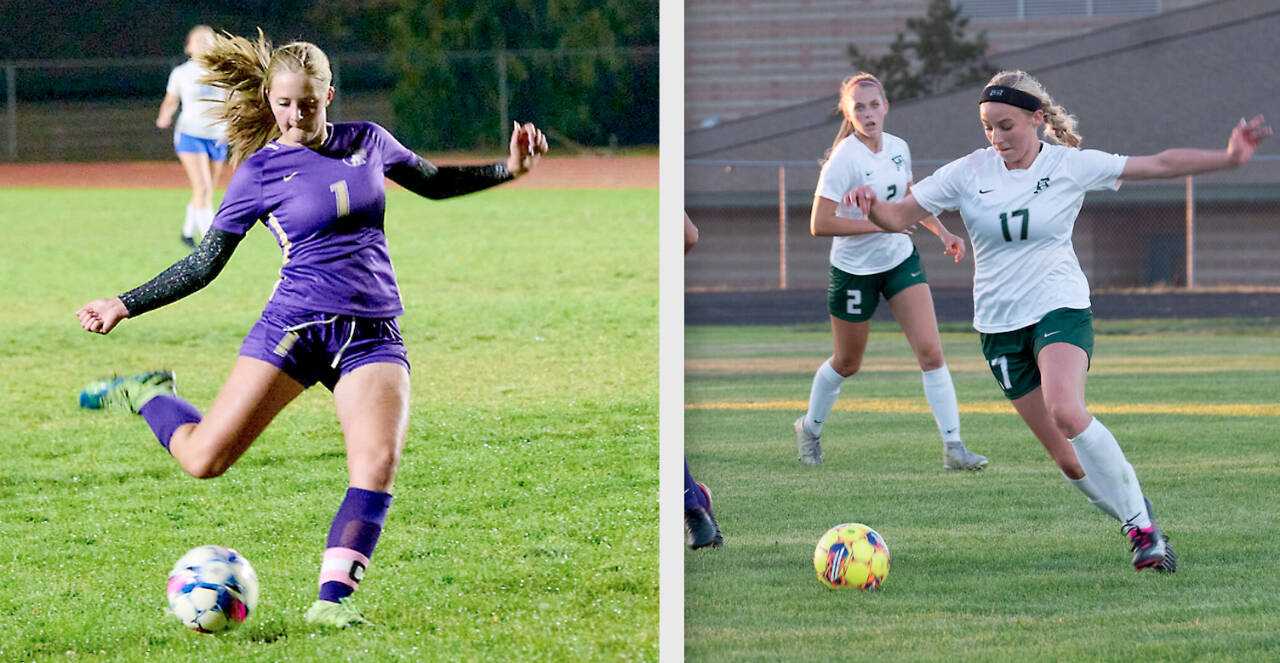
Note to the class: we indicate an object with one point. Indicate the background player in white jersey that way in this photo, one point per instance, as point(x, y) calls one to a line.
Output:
point(1019, 199)
point(197, 137)
point(867, 262)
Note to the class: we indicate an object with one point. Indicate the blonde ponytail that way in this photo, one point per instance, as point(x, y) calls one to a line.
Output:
point(244, 69)
point(1060, 126)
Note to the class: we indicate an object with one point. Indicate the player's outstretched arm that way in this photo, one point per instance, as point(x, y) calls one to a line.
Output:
point(181, 279)
point(891, 217)
point(439, 182)
point(1180, 162)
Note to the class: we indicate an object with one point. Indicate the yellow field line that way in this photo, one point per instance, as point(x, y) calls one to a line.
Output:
point(1101, 366)
point(894, 405)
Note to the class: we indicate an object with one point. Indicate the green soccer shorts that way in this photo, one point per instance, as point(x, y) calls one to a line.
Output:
point(1012, 354)
point(854, 297)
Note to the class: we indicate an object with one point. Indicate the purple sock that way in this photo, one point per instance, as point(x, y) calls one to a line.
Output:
point(352, 537)
point(165, 413)
point(693, 497)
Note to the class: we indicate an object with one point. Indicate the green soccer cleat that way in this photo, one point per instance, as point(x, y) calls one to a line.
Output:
point(127, 394)
point(337, 615)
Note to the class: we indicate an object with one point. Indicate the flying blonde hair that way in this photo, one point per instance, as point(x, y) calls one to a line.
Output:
point(1060, 126)
point(846, 104)
point(244, 69)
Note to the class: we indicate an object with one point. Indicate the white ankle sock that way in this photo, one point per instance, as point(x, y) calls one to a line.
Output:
point(822, 397)
point(190, 224)
point(1112, 475)
point(941, 394)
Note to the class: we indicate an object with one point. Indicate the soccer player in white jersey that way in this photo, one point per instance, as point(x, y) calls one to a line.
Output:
point(1019, 199)
point(197, 136)
point(866, 263)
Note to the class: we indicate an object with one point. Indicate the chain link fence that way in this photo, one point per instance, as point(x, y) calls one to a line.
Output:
point(105, 109)
point(1162, 235)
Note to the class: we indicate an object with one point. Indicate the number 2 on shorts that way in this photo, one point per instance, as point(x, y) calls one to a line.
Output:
point(853, 305)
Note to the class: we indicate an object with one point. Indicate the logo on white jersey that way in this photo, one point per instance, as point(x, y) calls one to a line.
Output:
point(1041, 185)
point(897, 161)
point(356, 159)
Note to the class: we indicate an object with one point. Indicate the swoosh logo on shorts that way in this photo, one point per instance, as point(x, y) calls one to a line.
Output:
point(1051, 333)
point(915, 273)
point(290, 176)
point(985, 190)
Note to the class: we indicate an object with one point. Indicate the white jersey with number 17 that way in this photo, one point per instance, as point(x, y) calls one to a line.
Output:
point(1020, 223)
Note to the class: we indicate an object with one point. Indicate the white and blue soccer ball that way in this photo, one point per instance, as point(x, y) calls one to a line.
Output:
point(212, 589)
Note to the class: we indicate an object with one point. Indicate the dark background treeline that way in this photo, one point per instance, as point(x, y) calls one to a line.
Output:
point(586, 68)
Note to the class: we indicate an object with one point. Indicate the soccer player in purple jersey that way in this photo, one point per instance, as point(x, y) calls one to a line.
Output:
point(318, 187)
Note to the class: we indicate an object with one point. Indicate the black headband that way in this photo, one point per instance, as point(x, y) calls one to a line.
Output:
point(1011, 96)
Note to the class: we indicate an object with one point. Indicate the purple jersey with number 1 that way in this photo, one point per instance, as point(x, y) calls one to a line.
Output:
point(325, 207)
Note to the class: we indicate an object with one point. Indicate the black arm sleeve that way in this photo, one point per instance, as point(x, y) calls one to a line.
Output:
point(185, 276)
point(437, 182)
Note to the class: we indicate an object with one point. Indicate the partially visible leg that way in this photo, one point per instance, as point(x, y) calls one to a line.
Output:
point(850, 341)
point(196, 165)
point(1036, 415)
point(373, 408)
point(1063, 367)
point(913, 309)
point(700, 524)
point(252, 396)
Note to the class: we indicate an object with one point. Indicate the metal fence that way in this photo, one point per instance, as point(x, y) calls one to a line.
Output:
point(105, 109)
point(1182, 234)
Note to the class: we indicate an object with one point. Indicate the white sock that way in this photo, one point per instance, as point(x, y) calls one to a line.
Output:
point(1111, 474)
point(190, 224)
point(205, 220)
point(822, 397)
point(1085, 485)
point(941, 394)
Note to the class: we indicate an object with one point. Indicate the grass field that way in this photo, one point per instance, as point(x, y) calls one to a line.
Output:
point(524, 525)
point(1008, 564)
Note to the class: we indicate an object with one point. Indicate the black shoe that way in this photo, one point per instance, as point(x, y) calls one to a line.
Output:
point(706, 494)
point(701, 530)
point(189, 241)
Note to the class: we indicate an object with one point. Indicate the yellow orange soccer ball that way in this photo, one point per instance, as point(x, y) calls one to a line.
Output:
point(851, 555)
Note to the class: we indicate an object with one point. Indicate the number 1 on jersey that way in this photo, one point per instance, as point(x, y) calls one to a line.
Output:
point(339, 190)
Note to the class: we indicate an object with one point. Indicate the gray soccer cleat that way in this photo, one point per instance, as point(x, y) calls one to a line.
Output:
point(1151, 549)
point(808, 445)
point(955, 456)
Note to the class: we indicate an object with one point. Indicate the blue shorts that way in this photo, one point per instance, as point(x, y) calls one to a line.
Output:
point(215, 148)
point(322, 347)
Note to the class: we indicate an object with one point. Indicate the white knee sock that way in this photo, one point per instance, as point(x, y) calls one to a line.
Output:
point(941, 394)
point(1085, 485)
point(190, 224)
point(1111, 474)
point(822, 397)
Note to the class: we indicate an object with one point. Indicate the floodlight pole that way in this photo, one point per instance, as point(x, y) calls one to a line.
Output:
point(782, 227)
point(504, 115)
point(1191, 234)
point(11, 107)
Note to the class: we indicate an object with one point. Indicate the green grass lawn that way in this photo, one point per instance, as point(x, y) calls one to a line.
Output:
point(1008, 564)
point(524, 525)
